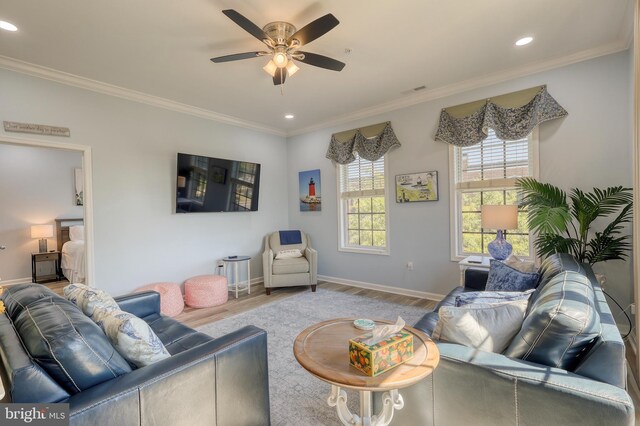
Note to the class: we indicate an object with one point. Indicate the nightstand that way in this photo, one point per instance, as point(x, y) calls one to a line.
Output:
point(52, 256)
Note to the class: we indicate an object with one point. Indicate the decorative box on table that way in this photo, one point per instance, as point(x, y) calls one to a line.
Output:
point(375, 359)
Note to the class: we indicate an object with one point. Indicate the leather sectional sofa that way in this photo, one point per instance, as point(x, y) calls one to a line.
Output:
point(51, 352)
point(472, 387)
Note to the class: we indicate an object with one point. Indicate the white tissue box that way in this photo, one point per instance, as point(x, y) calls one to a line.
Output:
point(375, 359)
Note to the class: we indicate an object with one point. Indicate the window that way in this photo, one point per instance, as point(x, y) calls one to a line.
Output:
point(486, 173)
point(242, 186)
point(363, 214)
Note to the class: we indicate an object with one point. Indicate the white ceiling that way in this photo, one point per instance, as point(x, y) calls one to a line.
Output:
point(162, 48)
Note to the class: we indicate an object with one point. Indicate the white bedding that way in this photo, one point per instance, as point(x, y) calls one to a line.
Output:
point(73, 261)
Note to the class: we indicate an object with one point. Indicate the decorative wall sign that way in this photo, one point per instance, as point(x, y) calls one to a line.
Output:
point(310, 199)
point(417, 187)
point(36, 129)
point(79, 187)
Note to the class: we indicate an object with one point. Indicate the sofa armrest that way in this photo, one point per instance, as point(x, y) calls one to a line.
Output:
point(140, 304)
point(312, 257)
point(202, 385)
point(475, 279)
point(500, 390)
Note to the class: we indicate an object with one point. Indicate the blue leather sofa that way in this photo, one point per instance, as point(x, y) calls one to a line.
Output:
point(472, 387)
point(51, 352)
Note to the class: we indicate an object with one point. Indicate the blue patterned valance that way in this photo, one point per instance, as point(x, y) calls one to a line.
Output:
point(344, 145)
point(468, 124)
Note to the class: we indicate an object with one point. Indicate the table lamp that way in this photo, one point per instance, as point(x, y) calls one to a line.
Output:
point(42, 232)
point(500, 218)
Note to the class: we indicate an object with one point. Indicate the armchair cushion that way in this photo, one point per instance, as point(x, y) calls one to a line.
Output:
point(288, 254)
point(295, 265)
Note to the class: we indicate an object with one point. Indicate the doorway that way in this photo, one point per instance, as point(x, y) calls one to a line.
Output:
point(84, 181)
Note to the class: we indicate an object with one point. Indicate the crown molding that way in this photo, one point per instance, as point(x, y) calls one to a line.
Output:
point(128, 94)
point(467, 85)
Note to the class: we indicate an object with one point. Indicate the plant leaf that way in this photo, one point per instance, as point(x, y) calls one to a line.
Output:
point(548, 211)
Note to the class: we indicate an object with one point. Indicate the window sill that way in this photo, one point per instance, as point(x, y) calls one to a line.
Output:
point(459, 257)
point(379, 252)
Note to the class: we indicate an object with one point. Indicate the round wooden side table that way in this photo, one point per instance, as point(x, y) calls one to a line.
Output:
point(323, 350)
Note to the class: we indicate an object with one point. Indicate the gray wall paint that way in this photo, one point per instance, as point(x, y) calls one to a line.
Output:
point(36, 186)
point(591, 147)
point(138, 239)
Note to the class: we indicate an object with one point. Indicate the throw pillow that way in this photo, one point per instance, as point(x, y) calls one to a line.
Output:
point(88, 299)
point(489, 328)
point(521, 265)
point(491, 297)
point(289, 254)
point(132, 337)
point(503, 277)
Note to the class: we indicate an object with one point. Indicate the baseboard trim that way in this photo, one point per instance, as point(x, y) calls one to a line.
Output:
point(16, 281)
point(385, 288)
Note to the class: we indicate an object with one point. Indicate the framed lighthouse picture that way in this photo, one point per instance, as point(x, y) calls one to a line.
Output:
point(310, 190)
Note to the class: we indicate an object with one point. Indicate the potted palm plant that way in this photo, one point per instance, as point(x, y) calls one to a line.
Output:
point(565, 225)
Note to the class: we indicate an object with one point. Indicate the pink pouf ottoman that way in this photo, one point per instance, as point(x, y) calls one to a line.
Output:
point(171, 300)
point(204, 291)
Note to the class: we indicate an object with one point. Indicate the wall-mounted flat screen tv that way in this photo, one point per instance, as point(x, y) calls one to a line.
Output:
point(207, 184)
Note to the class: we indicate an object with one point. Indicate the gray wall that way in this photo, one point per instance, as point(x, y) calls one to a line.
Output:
point(137, 237)
point(139, 240)
point(36, 186)
point(591, 147)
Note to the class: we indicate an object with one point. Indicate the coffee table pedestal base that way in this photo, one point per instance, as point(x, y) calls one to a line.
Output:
point(391, 400)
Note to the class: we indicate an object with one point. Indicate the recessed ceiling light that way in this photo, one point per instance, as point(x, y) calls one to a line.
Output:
point(524, 41)
point(8, 26)
point(288, 116)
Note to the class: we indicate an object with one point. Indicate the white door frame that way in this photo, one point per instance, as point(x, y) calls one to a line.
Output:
point(635, 337)
point(88, 191)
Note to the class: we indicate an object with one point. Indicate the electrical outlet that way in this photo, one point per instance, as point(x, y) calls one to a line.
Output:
point(633, 308)
point(410, 266)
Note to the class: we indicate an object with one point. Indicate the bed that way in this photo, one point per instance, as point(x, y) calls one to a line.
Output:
point(70, 239)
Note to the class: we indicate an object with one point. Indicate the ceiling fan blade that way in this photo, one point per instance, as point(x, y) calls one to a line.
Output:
point(247, 25)
point(315, 29)
point(237, 56)
point(321, 61)
point(280, 76)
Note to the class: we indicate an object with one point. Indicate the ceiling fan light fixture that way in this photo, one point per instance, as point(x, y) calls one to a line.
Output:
point(292, 68)
point(524, 41)
point(270, 68)
point(280, 59)
point(8, 26)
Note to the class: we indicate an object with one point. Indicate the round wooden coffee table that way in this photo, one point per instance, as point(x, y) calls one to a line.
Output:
point(323, 350)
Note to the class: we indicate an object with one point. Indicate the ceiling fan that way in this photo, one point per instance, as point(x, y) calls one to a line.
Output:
point(283, 42)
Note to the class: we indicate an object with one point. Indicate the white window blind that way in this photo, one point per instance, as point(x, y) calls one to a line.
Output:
point(486, 174)
point(362, 178)
point(363, 207)
point(492, 163)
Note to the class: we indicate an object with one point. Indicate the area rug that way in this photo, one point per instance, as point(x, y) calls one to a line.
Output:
point(298, 398)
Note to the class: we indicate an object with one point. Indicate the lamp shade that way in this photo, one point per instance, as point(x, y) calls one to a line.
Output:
point(499, 217)
point(41, 231)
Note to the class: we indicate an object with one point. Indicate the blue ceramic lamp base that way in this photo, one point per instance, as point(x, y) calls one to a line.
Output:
point(500, 248)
